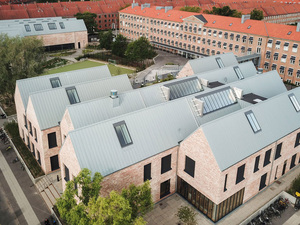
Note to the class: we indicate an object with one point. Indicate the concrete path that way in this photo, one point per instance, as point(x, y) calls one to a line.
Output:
point(18, 193)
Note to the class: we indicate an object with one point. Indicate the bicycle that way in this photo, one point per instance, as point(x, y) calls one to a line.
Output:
point(8, 148)
point(15, 160)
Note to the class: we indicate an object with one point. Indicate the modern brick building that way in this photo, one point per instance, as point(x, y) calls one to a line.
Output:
point(271, 46)
point(57, 33)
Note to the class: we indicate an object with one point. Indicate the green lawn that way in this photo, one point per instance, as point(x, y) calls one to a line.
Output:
point(114, 70)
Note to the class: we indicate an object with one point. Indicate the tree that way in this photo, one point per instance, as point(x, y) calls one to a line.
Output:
point(256, 14)
point(106, 39)
point(84, 206)
point(89, 20)
point(119, 46)
point(191, 9)
point(139, 50)
point(186, 215)
point(224, 11)
point(19, 58)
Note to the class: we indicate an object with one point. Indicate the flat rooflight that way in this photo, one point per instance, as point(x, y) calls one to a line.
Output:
point(294, 102)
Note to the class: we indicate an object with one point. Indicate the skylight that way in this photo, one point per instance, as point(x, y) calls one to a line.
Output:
point(249, 27)
point(252, 121)
point(55, 82)
point(220, 62)
point(184, 87)
point(216, 100)
point(289, 33)
point(238, 72)
point(62, 25)
point(52, 26)
point(38, 27)
point(27, 28)
point(230, 24)
point(72, 95)
point(295, 102)
point(122, 133)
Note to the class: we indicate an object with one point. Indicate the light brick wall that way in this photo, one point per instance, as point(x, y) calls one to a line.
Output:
point(185, 71)
point(20, 112)
point(66, 125)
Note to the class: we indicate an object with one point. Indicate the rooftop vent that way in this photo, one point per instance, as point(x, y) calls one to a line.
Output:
point(114, 97)
point(114, 94)
point(238, 92)
point(198, 104)
point(259, 70)
point(244, 18)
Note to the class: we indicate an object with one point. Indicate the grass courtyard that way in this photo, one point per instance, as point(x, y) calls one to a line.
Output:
point(114, 70)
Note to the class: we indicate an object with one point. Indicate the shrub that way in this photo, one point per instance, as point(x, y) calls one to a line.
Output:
point(186, 215)
point(295, 186)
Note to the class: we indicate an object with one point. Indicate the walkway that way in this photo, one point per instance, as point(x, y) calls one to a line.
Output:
point(165, 211)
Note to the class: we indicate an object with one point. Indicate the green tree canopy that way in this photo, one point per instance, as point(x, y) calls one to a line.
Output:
point(224, 11)
point(126, 208)
point(106, 39)
point(256, 14)
point(139, 50)
point(19, 58)
point(89, 20)
point(191, 9)
point(119, 46)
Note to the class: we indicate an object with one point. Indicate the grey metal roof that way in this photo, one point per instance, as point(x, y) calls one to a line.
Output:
point(34, 84)
point(152, 130)
point(232, 139)
point(50, 105)
point(209, 63)
point(86, 113)
point(17, 27)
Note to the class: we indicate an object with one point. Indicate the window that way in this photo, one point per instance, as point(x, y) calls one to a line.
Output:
point(274, 66)
point(123, 134)
point(290, 71)
point(269, 44)
point(30, 127)
point(267, 157)
point(35, 135)
point(294, 102)
point(256, 164)
point(238, 72)
point(25, 121)
point(27, 27)
point(292, 60)
point(277, 45)
point(240, 174)
point(220, 62)
point(283, 58)
point(268, 55)
point(72, 94)
point(286, 46)
point(55, 82)
point(266, 65)
point(62, 25)
point(281, 70)
point(52, 140)
point(258, 50)
point(259, 41)
point(252, 121)
point(38, 27)
point(67, 174)
point(52, 26)
point(275, 57)
point(147, 172)
point(293, 161)
point(263, 181)
point(166, 164)
point(189, 166)
point(225, 183)
point(297, 142)
point(295, 48)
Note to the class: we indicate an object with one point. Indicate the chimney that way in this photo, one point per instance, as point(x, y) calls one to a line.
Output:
point(244, 18)
point(115, 98)
point(298, 27)
point(204, 82)
point(238, 92)
point(198, 104)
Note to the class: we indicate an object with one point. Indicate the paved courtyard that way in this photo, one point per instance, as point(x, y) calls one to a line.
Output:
point(164, 211)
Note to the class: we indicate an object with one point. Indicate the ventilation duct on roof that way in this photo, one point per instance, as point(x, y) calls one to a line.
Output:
point(238, 92)
point(165, 92)
point(244, 18)
point(204, 82)
point(198, 104)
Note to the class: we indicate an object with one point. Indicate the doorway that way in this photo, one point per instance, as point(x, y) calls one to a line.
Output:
point(54, 162)
point(164, 188)
point(79, 45)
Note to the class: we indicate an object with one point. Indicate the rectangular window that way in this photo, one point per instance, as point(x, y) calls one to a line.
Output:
point(293, 161)
point(166, 164)
point(278, 151)
point(52, 140)
point(38, 27)
point(225, 183)
point(35, 135)
point(52, 26)
point(189, 166)
point(147, 172)
point(238, 72)
point(294, 102)
point(267, 157)
point(240, 174)
point(123, 133)
point(62, 25)
point(55, 82)
point(27, 28)
point(220, 63)
point(67, 174)
point(263, 181)
point(73, 95)
point(25, 121)
point(297, 142)
point(252, 121)
point(30, 127)
point(256, 164)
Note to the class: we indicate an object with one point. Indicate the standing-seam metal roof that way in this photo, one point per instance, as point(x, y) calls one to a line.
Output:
point(50, 105)
point(34, 84)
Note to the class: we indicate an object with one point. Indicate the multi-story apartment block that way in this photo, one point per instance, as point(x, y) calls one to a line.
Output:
point(270, 46)
point(56, 32)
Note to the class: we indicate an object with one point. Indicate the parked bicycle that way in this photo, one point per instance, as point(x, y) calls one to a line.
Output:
point(15, 160)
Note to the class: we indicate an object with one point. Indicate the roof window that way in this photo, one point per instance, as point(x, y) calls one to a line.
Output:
point(55, 82)
point(27, 27)
point(220, 63)
point(38, 27)
point(214, 22)
point(252, 121)
point(122, 133)
point(62, 25)
point(295, 102)
point(73, 95)
point(289, 33)
point(238, 72)
point(249, 27)
point(230, 24)
point(52, 26)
